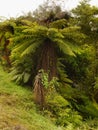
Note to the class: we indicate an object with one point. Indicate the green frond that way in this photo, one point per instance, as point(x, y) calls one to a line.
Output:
point(37, 31)
point(71, 29)
point(7, 26)
point(54, 33)
point(21, 47)
point(20, 28)
point(31, 48)
point(22, 38)
point(74, 46)
point(26, 22)
point(64, 47)
point(73, 33)
point(62, 74)
point(59, 24)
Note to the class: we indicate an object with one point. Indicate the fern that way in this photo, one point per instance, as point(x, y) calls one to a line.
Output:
point(34, 38)
point(59, 24)
point(63, 46)
point(53, 33)
point(31, 49)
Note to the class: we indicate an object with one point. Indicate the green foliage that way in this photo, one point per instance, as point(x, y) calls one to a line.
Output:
point(22, 70)
point(6, 32)
point(85, 13)
point(45, 80)
point(31, 42)
point(88, 108)
point(89, 124)
point(60, 24)
point(79, 101)
point(61, 111)
point(36, 36)
point(63, 77)
point(96, 83)
point(95, 91)
point(81, 68)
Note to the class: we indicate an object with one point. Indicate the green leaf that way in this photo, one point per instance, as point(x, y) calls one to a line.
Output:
point(64, 47)
point(26, 77)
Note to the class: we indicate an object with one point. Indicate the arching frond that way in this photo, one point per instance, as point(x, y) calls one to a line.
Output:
point(64, 47)
point(59, 24)
point(73, 34)
point(39, 31)
point(53, 33)
point(31, 49)
point(74, 46)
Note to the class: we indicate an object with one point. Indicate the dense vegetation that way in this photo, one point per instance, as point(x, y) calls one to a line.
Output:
point(55, 54)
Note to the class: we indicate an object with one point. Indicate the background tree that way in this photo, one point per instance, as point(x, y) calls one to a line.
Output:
point(85, 16)
point(49, 12)
point(6, 32)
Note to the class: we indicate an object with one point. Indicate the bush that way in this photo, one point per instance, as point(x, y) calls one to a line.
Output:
point(61, 111)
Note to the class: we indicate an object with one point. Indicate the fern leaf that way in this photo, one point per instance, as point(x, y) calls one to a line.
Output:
point(31, 49)
point(64, 47)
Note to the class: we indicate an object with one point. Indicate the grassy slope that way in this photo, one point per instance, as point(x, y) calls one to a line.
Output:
point(17, 110)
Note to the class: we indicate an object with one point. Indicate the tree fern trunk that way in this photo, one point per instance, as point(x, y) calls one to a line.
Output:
point(48, 59)
point(47, 62)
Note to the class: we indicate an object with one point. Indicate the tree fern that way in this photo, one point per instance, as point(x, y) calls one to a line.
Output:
point(44, 45)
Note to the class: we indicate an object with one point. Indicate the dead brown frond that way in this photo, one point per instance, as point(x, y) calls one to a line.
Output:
point(39, 95)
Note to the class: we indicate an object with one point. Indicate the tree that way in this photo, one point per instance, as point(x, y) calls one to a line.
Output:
point(49, 12)
point(86, 16)
point(6, 32)
point(39, 47)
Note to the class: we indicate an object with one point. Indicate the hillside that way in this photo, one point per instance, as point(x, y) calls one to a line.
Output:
point(17, 110)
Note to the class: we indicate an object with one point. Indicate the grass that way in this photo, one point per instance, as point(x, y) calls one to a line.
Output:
point(17, 109)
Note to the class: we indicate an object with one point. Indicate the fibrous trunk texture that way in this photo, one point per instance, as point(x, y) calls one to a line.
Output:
point(39, 91)
point(47, 62)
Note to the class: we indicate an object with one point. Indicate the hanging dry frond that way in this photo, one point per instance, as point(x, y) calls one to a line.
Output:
point(39, 95)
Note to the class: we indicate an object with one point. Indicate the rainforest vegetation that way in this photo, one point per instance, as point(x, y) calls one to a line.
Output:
point(52, 56)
